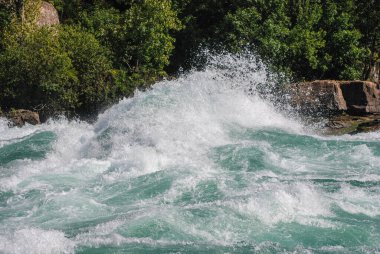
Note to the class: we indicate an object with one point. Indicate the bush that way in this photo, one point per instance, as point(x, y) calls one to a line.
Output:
point(92, 65)
point(144, 43)
point(81, 68)
point(139, 39)
point(55, 70)
point(36, 72)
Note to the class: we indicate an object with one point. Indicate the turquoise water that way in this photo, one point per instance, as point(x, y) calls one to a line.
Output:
point(194, 165)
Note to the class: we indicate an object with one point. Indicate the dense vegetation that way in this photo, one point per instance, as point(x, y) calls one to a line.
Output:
point(104, 49)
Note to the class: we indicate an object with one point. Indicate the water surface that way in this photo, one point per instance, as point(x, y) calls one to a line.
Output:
point(195, 165)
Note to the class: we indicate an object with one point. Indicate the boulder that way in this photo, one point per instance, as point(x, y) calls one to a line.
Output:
point(48, 15)
point(321, 96)
point(21, 116)
point(330, 96)
point(361, 96)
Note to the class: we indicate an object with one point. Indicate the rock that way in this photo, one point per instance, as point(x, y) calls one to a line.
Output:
point(21, 116)
point(331, 97)
point(347, 124)
point(321, 96)
point(338, 124)
point(350, 106)
point(48, 15)
point(368, 126)
point(361, 96)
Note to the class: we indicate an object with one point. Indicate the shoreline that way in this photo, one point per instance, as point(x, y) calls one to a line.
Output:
point(339, 107)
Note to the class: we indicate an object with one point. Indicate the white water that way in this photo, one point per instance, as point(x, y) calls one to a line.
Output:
point(179, 147)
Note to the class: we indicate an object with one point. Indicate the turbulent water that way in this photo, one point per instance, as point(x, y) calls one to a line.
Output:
point(195, 165)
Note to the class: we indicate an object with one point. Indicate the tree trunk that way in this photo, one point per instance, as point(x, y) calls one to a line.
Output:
point(375, 72)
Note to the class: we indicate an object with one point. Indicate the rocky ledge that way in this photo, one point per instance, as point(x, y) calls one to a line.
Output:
point(21, 116)
point(350, 106)
point(348, 124)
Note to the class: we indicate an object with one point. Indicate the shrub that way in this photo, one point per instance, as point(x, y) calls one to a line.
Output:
point(55, 70)
point(145, 44)
point(92, 65)
point(36, 72)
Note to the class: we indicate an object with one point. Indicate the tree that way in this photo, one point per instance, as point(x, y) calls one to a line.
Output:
point(307, 39)
point(204, 26)
point(139, 38)
point(263, 26)
point(36, 72)
point(367, 16)
point(92, 65)
point(55, 70)
point(343, 53)
point(145, 40)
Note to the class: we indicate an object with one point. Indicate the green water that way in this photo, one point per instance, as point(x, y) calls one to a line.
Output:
point(188, 167)
point(270, 192)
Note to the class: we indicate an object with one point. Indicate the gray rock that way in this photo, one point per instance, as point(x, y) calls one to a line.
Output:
point(48, 15)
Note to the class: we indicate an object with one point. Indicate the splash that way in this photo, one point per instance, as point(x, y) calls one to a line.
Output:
point(200, 163)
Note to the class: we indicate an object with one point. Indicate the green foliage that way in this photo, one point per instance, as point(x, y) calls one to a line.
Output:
point(104, 24)
point(57, 70)
point(82, 68)
point(145, 36)
point(92, 64)
point(105, 49)
point(139, 38)
point(368, 23)
point(343, 51)
point(35, 72)
point(204, 26)
point(5, 19)
point(308, 39)
point(266, 31)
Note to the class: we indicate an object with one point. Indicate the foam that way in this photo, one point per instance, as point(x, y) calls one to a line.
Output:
point(34, 240)
point(172, 132)
point(358, 201)
point(299, 202)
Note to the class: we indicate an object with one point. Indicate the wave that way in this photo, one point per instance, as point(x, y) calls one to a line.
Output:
point(199, 162)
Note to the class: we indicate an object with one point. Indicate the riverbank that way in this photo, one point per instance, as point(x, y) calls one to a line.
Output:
point(339, 107)
point(347, 124)
point(346, 107)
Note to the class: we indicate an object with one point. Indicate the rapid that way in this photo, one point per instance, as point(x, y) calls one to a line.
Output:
point(199, 164)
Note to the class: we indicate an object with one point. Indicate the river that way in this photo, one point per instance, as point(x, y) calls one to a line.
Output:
point(195, 165)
